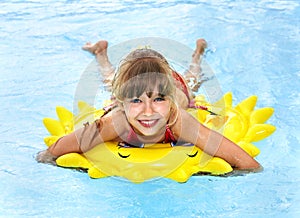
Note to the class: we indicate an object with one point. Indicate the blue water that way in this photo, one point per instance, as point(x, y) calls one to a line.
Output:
point(253, 49)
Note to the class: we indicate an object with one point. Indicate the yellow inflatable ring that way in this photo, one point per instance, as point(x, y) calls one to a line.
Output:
point(241, 124)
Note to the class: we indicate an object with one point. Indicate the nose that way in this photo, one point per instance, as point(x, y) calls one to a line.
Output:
point(148, 109)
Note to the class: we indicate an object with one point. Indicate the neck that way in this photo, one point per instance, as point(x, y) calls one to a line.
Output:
point(157, 138)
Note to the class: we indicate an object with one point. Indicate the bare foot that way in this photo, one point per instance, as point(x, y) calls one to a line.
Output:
point(201, 45)
point(96, 48)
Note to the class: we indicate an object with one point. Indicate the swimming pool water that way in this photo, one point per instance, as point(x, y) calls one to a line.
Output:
point(253, 49)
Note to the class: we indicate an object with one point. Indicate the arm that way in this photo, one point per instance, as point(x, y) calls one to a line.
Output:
point(64, 145)
point(212, 142)
point(84, 138)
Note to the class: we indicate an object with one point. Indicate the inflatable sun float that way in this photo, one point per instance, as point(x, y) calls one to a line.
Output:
point(241, 124)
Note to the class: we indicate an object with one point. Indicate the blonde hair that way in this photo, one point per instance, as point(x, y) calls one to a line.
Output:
point(143, 70)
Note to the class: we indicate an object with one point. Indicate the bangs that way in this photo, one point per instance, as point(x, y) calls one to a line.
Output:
point(146, 83)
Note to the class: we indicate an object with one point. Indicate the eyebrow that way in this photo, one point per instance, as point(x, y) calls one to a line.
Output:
point(150, 94)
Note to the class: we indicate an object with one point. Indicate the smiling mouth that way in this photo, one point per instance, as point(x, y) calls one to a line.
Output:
point(148, 123)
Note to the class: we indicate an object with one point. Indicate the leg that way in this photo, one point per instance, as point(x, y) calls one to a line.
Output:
point(106, 69)
point(193, 74)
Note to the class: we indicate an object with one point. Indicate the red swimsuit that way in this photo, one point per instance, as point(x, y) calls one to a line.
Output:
point(180, 84)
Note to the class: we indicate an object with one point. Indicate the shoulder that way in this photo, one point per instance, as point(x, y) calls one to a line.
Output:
point(181, 119)
point(183, 114)
point(186, 128)
point(114, 124)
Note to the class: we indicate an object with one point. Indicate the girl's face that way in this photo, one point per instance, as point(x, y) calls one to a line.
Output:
point(148, 114)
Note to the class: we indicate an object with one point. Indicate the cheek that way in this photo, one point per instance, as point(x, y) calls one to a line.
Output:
point(164, 109)
point(131, 111)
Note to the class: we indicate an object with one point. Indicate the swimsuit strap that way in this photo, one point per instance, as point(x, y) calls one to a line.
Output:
point(169, 137)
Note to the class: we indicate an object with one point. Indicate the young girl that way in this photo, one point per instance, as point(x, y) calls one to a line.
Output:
point(150, 104)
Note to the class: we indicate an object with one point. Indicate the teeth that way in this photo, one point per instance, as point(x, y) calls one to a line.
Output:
point(148, 122)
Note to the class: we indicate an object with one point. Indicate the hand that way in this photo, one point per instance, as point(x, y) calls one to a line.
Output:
point(247, 164)
point(46, 157)
point(238, 172)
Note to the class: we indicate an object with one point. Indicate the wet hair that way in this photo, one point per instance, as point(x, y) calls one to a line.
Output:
point(143, 70)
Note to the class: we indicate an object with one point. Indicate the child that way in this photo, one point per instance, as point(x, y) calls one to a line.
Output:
point(150, 104)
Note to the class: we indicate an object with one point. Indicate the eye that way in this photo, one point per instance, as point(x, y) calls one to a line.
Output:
point(135, 100)
point(159, 99)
